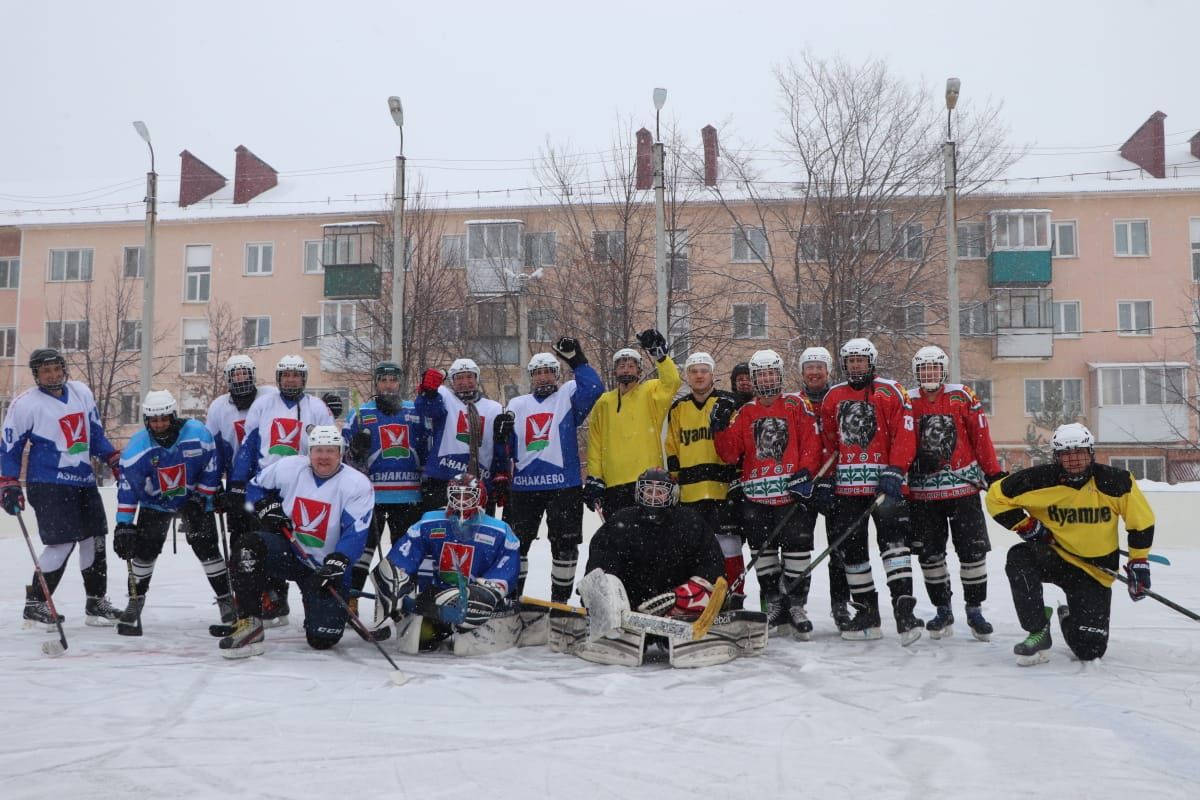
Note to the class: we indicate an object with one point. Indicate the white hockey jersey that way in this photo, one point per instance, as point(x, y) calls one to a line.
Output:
point(275, 428)
point(227, 424)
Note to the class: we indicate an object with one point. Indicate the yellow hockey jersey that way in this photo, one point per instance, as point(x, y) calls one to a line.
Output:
point(691, 455)
point(625, 431)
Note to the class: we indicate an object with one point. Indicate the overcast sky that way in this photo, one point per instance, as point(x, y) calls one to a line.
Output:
point(304, 84)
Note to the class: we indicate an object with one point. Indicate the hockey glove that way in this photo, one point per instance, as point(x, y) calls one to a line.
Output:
point(823, 499)
point(270, 514)
point(430, 382)
point(114, 464)
point(235, 497)
point(891, 485)
point(334, 403)
point(721, 414)
point(568, 350)
point(360, 447)
point(801, 485)
point(196, 503)
point(1034, 532)
point(1138, 570)
point(125, 537)
point(692, 598)
point(11, 497)
point(482, 600)
point(503, 427)
point(593, 493)
point(735, 493)
point(446, 605)
point(996, 476)
point(653, 343)
point(331, 573)
point(499, 490)
point(391, 586)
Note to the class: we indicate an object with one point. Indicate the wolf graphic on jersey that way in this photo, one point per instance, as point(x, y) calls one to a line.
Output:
point(856, 422)
point(172, 481)
point(310, 519)
point(936, 440)
point(75, 431)
point(771, 436)
point(537, 431)
point(455, 562)
point(285, 437)
point(393, 441)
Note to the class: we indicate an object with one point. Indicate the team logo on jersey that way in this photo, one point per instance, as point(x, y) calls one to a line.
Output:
point(537, 431)
point(171, 481)
point(285, 436)
point(456, 559)
point(311, 521)
point(393, 440)
point(770, 437)
point(462, 430)
point(937, 439)
point(239, 432)
point(75, 431)
point(856, 422)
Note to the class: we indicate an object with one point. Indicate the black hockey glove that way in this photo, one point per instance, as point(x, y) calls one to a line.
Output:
point(1034, 532)
point(593, 493)
point(236, 497)
point(360, 446)
point(1138, 570)
point(996, 476)
point(125, 537)
point(568, 350)
point(503, 427)
point(483, 598)
point(270, 514)
point(334, 402)
point(653, 343)
point(891, 485)
point(721, 414)
point(735, 493)
point(332, 571)
point(11, 497)
point(801, 485)
point(823, 499)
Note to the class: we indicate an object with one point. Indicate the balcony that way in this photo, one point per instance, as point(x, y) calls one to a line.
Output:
point(349, 257)
point(1139, 403)
point(1019, 268)
point(1022, 323)
point(1023, 343)
point(353, 281)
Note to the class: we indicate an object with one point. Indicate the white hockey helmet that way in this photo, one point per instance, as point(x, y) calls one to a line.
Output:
point(544, 361)
point(700, 358)
point(766, 373)
point(816, 354)
point(159, 403)
point(930, 354)
point(859, 347)
point(291, 363)
point(1072, 436)
point(627, 352)
point(239, 362)
point(462, 365)
point(325, 436)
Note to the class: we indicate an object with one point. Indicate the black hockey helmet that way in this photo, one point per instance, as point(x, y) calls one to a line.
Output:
point(388, 402)
point(47, 355)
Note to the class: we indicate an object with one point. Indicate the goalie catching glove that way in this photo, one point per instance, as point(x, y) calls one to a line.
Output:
point(686, 600)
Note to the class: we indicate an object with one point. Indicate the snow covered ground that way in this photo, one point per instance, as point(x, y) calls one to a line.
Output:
point(165, 716)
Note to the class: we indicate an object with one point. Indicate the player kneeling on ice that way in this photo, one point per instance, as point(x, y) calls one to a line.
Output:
point(468, 594)
point(313, 517)
point(656, 559)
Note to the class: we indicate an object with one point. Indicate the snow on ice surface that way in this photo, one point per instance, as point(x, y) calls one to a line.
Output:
point(165, 716)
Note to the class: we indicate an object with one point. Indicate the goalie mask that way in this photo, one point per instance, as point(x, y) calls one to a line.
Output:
point(656, 492)
point(465, 496)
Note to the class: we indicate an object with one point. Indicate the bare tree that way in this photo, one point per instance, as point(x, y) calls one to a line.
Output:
point(204, 381)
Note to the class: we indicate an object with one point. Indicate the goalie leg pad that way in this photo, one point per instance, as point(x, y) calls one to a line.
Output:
point(606, 601)
point(708, 652)
point(535, 627)
point(500, 632)
point(408, 634)
point(566, 631)
point(623, 649)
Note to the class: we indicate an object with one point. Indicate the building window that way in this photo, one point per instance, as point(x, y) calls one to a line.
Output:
point(908, 319)
point(1138, 385)
point(10, 273)
point(912, 241)
point(195, 347)
point(608, 247)
point(971, 239)
point(310, 331)
point(451, 325)
point(1063, 395)
point(492, 319)
point(312, 257)
point(134, 263)
point(983, 390)
point(975, 319)
point(198, 272)
point(541, 324)
point(453, 247)
point(1065, 245)
point(259, 258)
point(131, 334)
point(1066, 319)
point(1142, 469)
point(71, 265)
point(256, 331)
point(1132, 237)
point(8, 342)
point(1023, 308)
point(1134, 317)
point(680, 331)
point(487, 241)
point(341, 248)
point(1194, 229)
point(1020, 230)
point(811, 243)
point(539, 249)
point(67, 335)
point(337, 318)
point(749, 245)
point(131, 412)
point(749, 320)
point(678, 269)
point(809, 316)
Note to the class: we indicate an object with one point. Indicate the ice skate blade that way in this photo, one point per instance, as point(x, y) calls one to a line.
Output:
point(34, 625)
point(99, 622)
point(944, 633)
point(868, 635)
point(256, 649)
point(910, 637)
point(1033, 660)
point(983, 637)
point(275, 622)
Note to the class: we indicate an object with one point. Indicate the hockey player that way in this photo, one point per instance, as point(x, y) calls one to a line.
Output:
point(775, 439)
point(693, 462)
point(955, 456)
point(168, 468)
point(660, 559)
point(1066, 513)
point(867, 421)
point(314, 514)
point(59, 422)
point(449, 411)
point(739, 383)
point(539, 429)
point(473, 566)
point(625, 431)
point(277, 425)
point(387, 443)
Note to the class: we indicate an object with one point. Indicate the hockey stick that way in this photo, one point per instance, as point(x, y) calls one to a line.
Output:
point(52, 649)
point(1096, 571)
point(475, 435)
point(222, 629)
point(841, 537)
point(396, 676)
point(134, 628)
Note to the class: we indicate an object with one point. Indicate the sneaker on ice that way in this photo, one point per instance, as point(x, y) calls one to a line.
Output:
point(1033, 649)
point(942, 624)
point(100, 612)
point(981, 629)
point(245, 641)
point(907, 624)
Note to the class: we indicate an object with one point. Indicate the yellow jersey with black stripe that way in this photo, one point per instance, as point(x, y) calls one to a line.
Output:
point(1083, 519)
point(691, 455)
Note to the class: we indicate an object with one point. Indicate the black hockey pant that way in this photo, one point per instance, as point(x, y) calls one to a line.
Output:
point(1086, 626)
point(963, 516)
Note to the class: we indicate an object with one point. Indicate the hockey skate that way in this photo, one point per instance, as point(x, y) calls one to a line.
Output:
point(245, 641)
point(802, 626)
point(864, 626)
point(100, 613)
point(841, 615)
point(1033, 650)
point(274, 610)
point(942, 624)
point(908, 625)
point(981, 629)
point(225, 609)
point(37, 613)
point(774, 606)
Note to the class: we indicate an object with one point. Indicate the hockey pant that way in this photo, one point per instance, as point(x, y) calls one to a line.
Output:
point(734, 634)
point(963, 516)
point(200, 530)
point(891, 537)
point(397, 518)
point(264, 557)
point(780, 564)
point(1085, 628)
point(67, 515)
point(839, 591)
point(563, 509)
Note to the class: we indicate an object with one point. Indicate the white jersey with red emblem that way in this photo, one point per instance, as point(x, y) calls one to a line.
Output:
point(227, 424)
point(449, 441)
point(275, 428)
point(327, 514)
point(954, 444)
point(63, 434)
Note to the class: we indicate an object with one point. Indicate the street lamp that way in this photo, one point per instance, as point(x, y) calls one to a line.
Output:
point(952, 87)
point(523, 355)
point(660, 237)
point(147, 370)
point(398, 249)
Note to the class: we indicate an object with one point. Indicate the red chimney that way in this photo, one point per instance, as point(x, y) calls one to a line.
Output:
point(1147, 147)
point(197, 180)
point(712, 151)
point(251, 176)
point(1195, 145)
point(645, 160)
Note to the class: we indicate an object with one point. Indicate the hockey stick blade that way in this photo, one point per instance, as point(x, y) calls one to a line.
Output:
point(220, 630)
point(54, 649)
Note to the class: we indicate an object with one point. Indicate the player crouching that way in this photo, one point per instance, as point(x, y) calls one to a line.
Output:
point(654, 560)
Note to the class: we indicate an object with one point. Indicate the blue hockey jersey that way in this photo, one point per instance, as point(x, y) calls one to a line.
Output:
point(160, 477)
point(544, 442)
point(397, 450)
point(63, 434)
point(438, 546)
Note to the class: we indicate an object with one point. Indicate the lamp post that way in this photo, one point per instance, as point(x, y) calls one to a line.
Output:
point(952, 87)
point(147, 368)
point(398, 249)
point(523, 354)
point(660, 235)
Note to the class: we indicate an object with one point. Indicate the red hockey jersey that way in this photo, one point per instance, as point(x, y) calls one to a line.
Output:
point(954, 444)
point(773, 443)
point(869, 428)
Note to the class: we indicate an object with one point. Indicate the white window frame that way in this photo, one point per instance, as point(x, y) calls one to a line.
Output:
point(541, 324)
point(971, 233)
point(1060, 329)
point(194, 352)
point(261, 338)
point(985, 396)
point(75, 326)
point(1055, 239)
point(1127, 226)
point(749, 245)
point(130, 328)
point(541, 248)
point(970, 315)
point(910, 326)
point(8, 342)
point(338, 308)
point(11, 273)
point(312, 251)
point(452, 251)
point(315, 321)
point(745, 329)
point(85, 258)
point(1124, 462)
point(1040, 220)
point(1042, 391)
point(197, 278)
point(260, 259)
point(912, 241)
point(492, 241)
point(139, 270)
point(1133, 329)
point(1143, 385)
point(1194, 236)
